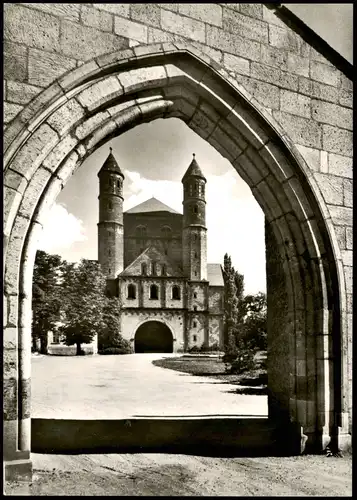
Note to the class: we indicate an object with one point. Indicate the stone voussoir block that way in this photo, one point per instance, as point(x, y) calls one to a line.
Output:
point(91, 124)
point(100, 92)
point(13, 254)
point(37, 147)
point(33, 192)
point(154, 76)
point(31, 27)
point(277, 162)
point(11, 203)
point(51, 191)
point(270, 199)
point(332, 114)
point(298, 199)
point(76, 77)
point(10, 111)
point(349, 238)
point(99, 134)
point(337, 140)
point(63, 148)
point(184, 26)
point(68, 167)
point(311, 156)
point(66, 117)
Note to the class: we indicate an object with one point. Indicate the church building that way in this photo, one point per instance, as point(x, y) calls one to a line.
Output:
point(155, 260)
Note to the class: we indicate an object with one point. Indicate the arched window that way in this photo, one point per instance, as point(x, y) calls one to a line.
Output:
point(195, 324)
point(163, 270)
point(195, 308)
point(194, 209)
point(131, 291)
point(144, 268)
point(195, 295)
point(154, 292)
point(195, 338)
point(166, 231)
point(110, 205)
point(141, 231)
point(176, 293)
point(194, 237)
point(196, 255)
point(191, 190)
point(118, 184)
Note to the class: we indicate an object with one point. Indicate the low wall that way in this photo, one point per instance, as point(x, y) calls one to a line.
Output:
point(69, 350)
point(219, 436)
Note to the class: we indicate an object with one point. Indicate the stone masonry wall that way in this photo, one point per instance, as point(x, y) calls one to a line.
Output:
point(309, 97)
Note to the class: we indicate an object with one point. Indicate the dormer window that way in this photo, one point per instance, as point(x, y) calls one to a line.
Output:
point(144, 269)
point(153, 268)
point(154, 292)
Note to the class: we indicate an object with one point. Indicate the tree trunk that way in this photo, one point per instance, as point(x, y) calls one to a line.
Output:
point(78, 353)
point(43, 344)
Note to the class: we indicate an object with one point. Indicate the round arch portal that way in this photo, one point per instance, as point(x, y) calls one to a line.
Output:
point(104, 98)
point(153, 336)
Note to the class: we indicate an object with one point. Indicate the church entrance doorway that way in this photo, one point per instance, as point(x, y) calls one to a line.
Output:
point(153, 336)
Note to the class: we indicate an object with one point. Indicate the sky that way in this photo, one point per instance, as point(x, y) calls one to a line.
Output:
point(235, 221)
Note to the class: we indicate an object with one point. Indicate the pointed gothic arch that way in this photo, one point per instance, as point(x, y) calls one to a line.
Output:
point(105, 97)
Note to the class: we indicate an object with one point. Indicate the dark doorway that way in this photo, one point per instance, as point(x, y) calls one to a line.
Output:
point(153, 336)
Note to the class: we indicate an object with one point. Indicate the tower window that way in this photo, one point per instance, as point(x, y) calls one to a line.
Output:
point(144, 269)
point(195, 273)
point(109, 271)
point(194, 209)
point(195, 324)
point(118, 184)
point(195, 295)
point(195, 308)
point(110, 205)
point(196, 255)
point(165, 251)
point(194, 237)
point(195, 338)
point(131, 291)
point(191, 190)
point(141, 231)
point(176, 293)
point(163, 271)
point(109, 252)
point(154, 292)
point(166, 231)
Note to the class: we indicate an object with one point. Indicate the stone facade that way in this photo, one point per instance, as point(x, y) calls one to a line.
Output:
point(165, 250)
point(76, 75)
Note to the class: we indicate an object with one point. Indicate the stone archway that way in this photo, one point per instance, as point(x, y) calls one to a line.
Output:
point(153, 336)
point(102, 99)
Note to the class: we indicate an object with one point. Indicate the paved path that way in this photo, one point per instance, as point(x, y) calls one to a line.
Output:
point(113, 387)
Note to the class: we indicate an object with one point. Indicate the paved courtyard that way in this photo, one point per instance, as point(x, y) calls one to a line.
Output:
point(115, 387)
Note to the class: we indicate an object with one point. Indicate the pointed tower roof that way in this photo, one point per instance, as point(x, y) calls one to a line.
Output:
point(151, 205)
point(193, 170)
point(111, 165)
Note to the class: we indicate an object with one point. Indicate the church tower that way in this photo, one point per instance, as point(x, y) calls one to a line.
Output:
point(110, 226)
point(194, 236)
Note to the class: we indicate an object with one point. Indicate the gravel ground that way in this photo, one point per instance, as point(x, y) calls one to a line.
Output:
point(183, 475)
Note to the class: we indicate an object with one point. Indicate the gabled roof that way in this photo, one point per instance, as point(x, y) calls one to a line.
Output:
point(149, 255)
point(151, 205)
point(215, 275)
point(193, 170)
point(111, 165)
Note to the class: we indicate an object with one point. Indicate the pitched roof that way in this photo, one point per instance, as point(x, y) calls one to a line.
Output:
point(193, 170)
point(150, 254)
point(215, 275)
point(111, 165)
point(151, 205)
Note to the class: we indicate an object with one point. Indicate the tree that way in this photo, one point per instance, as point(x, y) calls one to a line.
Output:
point(255, 321)
point(110, 340)
point(233, 300)
point(46, 297)
point(84, 298)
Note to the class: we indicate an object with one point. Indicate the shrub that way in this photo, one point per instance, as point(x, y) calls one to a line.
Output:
point(244, 362)
point(115, 350)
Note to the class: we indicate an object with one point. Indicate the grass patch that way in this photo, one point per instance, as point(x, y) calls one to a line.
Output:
point(253, 382)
